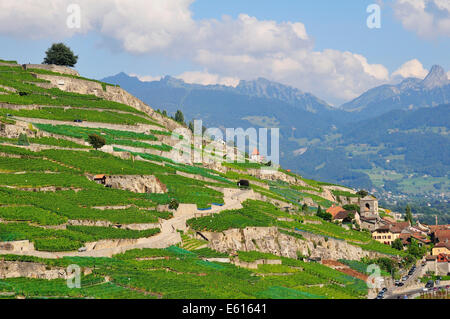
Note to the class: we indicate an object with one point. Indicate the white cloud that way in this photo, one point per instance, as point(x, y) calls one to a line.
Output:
point(412, 68)
point(145, 78)
point(427, 18)
point(206, 78)
point(330, 74)
point(228, 48)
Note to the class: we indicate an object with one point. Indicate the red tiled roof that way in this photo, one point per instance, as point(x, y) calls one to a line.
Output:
point(421, 238)
point(394, 227)
point(341, 215)
point(389, 220)
point(334, 210)
point(442, 235)
point(100, 176)
point(434, 228)
point(255, 152)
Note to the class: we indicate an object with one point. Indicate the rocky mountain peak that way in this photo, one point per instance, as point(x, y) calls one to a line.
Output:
point(436, 78)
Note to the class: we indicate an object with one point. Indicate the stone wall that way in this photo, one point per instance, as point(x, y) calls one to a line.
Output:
point(256, 263)
point(270, 240)
point(137, 183)
point(52, 68)
point(17, 269)
point(17, 246)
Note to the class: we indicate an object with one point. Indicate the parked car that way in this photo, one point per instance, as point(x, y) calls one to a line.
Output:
point(405, 278)
point(78, 121)
point(384, 290)
point(438, 280)
point(400, 284)
point(430, 284)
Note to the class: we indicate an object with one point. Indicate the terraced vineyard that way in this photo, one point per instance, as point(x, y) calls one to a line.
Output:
point(176, 273)
point(132, 216)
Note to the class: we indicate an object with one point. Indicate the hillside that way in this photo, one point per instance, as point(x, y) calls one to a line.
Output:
point(110, 211)
point(372, 142)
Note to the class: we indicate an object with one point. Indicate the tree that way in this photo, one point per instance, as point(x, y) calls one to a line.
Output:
point(319, 211)
point(173, 204)
point(96, 141)
point(191, 126)
point(305, 208)
point(415, 250)
point(23, 140)
point(362, 193)
point(397, 244)
point(350, 217)
point(351, 207)
point(60, 54)
point(324, 215)
point(179, 117)
point(408, 215)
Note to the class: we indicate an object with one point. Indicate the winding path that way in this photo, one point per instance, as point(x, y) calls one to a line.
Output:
point(168, 236)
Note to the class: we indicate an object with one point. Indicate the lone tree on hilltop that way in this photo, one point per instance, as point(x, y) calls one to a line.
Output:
point(96, 141)
point(60, 54)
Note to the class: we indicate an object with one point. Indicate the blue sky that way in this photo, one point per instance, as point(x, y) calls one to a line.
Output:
point(336, 25)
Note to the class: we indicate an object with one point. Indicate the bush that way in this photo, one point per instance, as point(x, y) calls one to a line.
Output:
point(173, 204)
point(96, 141)
point(23, 140)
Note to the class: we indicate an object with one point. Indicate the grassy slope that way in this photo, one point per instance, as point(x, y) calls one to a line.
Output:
point(77, 198)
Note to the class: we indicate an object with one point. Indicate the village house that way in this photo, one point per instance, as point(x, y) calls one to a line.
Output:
point(386, 234)
point(369, 223)
point(406, 236)
point(347, 217)
point(256, 157)
point(441, 236)
point(438, 264)
point(334, 210)
point(441, 248)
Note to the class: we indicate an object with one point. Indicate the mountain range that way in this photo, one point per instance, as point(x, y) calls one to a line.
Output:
point(391, 139)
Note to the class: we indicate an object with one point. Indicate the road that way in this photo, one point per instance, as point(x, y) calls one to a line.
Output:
point(413, 293)
point(412, 286)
